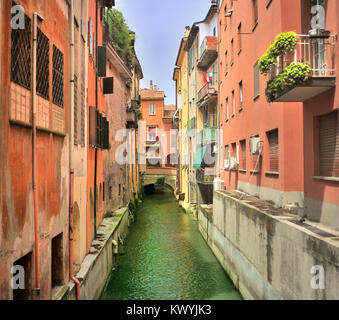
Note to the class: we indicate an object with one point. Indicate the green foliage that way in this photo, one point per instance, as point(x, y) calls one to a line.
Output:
point(293, 74)
point(283, 43)
point(139, 114)
point(121, 38)
point(161, 181)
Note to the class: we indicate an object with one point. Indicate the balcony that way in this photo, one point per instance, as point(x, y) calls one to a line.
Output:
point(204, 178)
point(208, 91)
point(208, 52)
point(318, 52)
point(207, 135)
point(131, 118)
point(168, 114)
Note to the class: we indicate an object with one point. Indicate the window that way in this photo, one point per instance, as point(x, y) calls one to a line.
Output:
point(42, 72)
point(239, 37)
point(214, 32)
point(256, 80)
point(234, 150)
point(21, 55)
point(190, 58)
point(243, 154)
point(57, 269)
point(152, 131)
point(226, 61)
point(227, 109)
point(215, 73)
point(232, 51)
point(152, 109)
point(329, 145)
point(240, 94)
point(273, 142)
point(58, 77)
point(98, 129)
point(255, 11)
point(233, 103)
point(75, 110)
point(227, 152)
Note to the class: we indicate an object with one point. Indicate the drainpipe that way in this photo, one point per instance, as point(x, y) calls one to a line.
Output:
point(96, 106)
point(34, 158)
point(71, 148)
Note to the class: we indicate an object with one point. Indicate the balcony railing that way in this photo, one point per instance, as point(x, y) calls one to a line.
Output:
point(207, 89)
point(207, 135)
point(319, 53)
point(208, 51)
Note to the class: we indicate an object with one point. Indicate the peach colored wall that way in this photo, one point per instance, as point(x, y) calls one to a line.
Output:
point(258, 116)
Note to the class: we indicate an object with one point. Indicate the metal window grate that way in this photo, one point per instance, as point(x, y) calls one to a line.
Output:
point(42, 86)
point(21, 55)
point(83, 110)
point(75, 110)
point(58, 77)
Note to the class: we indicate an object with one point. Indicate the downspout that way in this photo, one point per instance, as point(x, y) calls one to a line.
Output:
point(71, 148)
point(96, 106)
point(219, 154)
point(34, 158)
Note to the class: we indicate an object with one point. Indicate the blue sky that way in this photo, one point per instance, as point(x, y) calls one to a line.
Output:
point(159, 26)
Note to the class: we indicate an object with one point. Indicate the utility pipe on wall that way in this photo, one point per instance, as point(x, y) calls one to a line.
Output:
point(34, 159)
point(71, 148)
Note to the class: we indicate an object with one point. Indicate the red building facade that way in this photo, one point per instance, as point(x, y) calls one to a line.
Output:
point(297, 135)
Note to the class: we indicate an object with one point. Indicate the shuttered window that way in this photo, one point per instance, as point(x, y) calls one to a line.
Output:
point(329, 145)
point(243, 154)
point(274, 150)
point(256, 80)
point(42, 72)
point(98, 130)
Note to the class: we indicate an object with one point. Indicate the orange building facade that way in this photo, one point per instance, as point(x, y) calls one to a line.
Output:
point(272, 150)
point(160, 135)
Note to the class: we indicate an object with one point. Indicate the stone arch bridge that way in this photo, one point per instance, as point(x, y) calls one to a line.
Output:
point(152, 175)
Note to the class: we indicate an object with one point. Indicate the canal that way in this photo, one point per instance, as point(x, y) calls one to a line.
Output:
point(166, 258)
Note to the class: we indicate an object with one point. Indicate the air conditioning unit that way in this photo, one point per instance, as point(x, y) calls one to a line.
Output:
point(254, 145)
point(226, 164)
point(233, 164)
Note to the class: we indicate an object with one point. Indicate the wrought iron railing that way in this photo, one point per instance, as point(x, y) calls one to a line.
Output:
point(207, 89)
point(318, 51)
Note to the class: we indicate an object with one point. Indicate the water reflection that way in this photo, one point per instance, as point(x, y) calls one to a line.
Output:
point(167, 258)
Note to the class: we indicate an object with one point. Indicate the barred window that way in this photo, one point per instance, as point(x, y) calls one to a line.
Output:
point(58, 77)
point(75, 109)
point(83, 110)
point(21, 55)
point(42, 85)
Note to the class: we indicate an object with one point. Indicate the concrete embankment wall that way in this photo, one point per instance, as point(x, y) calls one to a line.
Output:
point(266, 254)
point(97, 265)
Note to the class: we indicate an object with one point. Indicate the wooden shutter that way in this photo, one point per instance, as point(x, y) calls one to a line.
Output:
point(329, 145)
point(243, 154)
point(274, 150)
point(256, 80)
point(92, 126)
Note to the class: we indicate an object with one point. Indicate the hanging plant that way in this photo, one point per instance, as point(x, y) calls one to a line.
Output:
point(284, 42)
point(293, 74)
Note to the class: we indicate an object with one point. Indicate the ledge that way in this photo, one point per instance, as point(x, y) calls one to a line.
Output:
point(242, 170)
point(272, 173)
point(336, 179)
point(254, 171)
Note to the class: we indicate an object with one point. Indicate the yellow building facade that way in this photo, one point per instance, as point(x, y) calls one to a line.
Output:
point(180, 76)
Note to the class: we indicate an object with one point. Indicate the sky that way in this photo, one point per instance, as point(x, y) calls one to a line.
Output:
point(159, 26)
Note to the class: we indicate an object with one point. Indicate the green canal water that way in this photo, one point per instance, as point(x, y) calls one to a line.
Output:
point(166, 258)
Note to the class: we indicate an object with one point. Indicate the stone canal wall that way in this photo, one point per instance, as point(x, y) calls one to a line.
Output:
point(97, 265)
point(266, 253)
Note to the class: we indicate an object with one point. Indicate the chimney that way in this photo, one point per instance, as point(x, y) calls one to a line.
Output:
point(188, 28)
point(151, 85)
point(155, 88)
